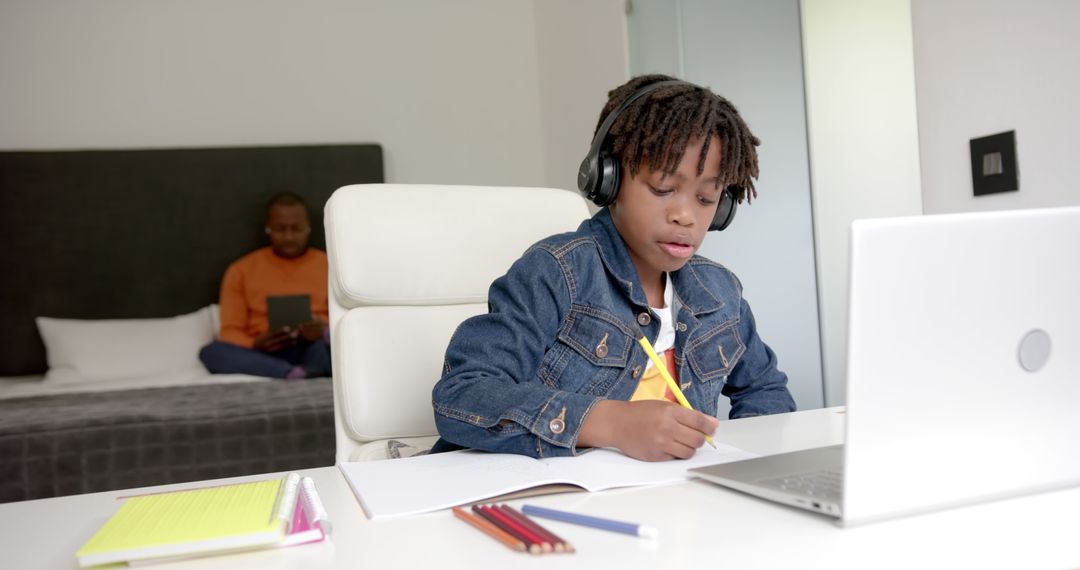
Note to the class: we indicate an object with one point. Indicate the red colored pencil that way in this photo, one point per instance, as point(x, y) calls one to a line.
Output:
point(491, 530)
point(545, 543)
point(500, 520)
point(559, 544)
point(543, 537)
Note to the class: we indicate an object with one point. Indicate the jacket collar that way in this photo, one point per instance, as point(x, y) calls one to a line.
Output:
point(690, 290)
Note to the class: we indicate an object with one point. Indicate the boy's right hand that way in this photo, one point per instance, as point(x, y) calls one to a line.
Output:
point(275, 340)
point(650, 430)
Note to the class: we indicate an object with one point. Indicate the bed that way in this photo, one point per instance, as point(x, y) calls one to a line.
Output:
point(116, 257)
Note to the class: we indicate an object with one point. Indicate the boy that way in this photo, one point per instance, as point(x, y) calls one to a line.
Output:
point(555, 367)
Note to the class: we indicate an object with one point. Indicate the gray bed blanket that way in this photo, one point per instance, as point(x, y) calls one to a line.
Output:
point(80, 443)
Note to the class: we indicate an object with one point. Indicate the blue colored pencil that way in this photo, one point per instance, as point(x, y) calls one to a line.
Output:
point(595, 522)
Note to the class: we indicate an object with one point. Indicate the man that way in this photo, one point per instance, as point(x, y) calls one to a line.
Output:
point(246, 345)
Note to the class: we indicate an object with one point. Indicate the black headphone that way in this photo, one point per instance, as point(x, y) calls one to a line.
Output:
point(599, 174)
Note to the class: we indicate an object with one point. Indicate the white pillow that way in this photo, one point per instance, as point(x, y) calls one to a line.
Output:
point(81, 350)
point(215, 320)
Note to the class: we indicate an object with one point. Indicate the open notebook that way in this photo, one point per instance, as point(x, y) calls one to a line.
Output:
point(427, 483)
point(198, 522)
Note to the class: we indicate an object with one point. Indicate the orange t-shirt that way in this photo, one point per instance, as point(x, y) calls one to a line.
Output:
point(251, 279)
point(652, 385)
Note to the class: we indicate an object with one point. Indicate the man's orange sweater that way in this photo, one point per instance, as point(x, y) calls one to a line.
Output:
point(251, 279)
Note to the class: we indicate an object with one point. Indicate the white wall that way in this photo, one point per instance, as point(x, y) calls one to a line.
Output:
point(864, 156)
point(770, 245)
point(655, 35)
point(987, 66)
point(582, 52)
point(471, 91)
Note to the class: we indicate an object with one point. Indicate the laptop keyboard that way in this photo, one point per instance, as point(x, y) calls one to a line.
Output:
point(826, 485)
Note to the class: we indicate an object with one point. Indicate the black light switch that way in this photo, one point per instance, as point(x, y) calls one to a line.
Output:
point(993, 164)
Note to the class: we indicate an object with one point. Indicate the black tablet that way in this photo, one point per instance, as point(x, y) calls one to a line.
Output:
point(288, 310)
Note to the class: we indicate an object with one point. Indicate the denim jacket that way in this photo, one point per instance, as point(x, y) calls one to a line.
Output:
point(560, 336)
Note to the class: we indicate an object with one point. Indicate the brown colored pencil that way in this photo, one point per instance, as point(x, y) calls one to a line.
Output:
point(491, 530)
point(559, 544)
point(534, 547)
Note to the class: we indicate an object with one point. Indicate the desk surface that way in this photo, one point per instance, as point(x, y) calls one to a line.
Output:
point(699, 523)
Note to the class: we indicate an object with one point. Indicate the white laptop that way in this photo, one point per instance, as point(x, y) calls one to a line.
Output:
point(963, 370)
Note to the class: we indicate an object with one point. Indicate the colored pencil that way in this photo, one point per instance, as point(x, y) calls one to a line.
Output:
point(536, 544)
point(545, 541)
point(559, 544)
point(523, 521)
point(595, 522)
point(530, 546)
point(491, 530)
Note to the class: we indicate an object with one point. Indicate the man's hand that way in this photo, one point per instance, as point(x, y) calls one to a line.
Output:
point(650, 430)
point(275, 340)
point(312, 331)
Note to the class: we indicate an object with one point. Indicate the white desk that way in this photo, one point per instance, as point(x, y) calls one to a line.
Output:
point(701, 526)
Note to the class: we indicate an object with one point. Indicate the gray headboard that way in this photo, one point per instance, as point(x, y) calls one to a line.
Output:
point(143, 233)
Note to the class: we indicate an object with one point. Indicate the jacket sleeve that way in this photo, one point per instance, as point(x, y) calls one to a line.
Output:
point(756, 386)
point(490, 396)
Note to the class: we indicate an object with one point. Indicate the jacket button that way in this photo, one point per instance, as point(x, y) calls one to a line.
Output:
point(644, 319)
point(636, 373)
point(601, 351)
point(556, 425)
point(682, 327)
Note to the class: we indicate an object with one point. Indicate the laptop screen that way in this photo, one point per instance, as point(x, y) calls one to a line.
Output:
point(963, 359)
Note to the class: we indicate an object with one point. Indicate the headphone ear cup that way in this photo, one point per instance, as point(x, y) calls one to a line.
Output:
point(586, 177)
point(725, 210)
point(599, 180)
point(607, 182)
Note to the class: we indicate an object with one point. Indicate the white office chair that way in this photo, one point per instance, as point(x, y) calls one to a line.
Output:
point(408, 263)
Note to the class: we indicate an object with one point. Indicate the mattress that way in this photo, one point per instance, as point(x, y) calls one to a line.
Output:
point(27, 386)
point(67, 440)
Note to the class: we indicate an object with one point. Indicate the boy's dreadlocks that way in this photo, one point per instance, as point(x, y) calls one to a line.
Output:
point(657, 128)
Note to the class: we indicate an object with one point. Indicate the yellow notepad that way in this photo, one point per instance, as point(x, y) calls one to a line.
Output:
point(198, 521)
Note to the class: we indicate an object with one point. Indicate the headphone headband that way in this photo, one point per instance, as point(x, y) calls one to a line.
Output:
point(602, 132)
point(599, 174)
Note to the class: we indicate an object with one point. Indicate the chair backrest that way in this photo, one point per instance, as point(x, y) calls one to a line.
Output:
point(408, 263)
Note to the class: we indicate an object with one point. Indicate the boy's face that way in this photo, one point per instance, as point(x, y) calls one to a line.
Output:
point(663, 218)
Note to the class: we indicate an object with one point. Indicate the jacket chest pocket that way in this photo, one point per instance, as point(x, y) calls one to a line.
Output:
point(597, 337)
point(591, 352)
point(713, 356)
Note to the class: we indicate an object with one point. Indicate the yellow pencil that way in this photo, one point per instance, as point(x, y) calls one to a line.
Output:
point(672, 385)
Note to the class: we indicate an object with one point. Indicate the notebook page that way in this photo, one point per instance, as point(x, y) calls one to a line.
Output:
point(601, 469)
